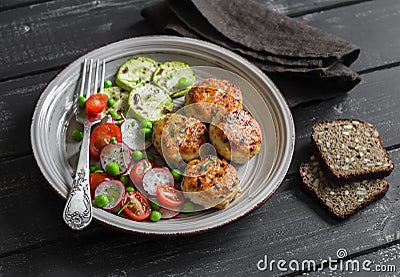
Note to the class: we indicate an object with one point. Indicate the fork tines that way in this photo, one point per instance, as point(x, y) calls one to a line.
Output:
point(92, 85)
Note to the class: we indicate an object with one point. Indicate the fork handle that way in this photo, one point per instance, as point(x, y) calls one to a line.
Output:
point(78, 209)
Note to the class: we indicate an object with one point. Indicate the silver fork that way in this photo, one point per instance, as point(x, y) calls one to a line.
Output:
point(78, 209)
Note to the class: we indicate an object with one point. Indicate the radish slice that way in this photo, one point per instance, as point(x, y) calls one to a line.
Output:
point(167, 214)
point(154, 177)
point(114, 190)
point(130, 130)
point(116, 153)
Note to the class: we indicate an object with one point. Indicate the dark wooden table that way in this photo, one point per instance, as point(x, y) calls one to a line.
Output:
point(38, 38)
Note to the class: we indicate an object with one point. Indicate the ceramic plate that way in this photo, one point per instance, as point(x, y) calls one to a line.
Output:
point(53, 121)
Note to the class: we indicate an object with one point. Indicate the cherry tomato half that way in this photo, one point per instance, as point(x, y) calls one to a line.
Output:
point(139, 169)
point(95, 179)
point(169, 195)
point(101, 136)
point(96, 103)
point(136, 206)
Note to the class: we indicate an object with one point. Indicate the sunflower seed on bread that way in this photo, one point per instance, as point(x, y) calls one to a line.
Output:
point(351, 149)
point(342, 199)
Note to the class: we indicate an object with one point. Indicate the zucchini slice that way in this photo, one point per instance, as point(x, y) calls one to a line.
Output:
point(135, 71)
point(150, 102)
point(120, 97)
point(176, 77)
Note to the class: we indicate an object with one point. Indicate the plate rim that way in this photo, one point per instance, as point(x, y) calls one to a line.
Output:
point(282, 103)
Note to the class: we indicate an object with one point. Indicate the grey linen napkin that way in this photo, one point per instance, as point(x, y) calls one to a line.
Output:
point(304, 62)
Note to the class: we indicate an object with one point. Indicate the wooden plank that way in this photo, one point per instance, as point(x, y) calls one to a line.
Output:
point(370, 25)
point(34, 40)
point(375, 100)
point(291, 225)
point(53, 34)
point(31, 213)
point(12, 4)
point(16, 109)
point(287, 7)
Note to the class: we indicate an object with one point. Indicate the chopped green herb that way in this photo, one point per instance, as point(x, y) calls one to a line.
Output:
point(94, 167)
point(150, 157)
point(204, 166)
point(124, 180)
point(188, 207)
point(113, 114)
point(113, 140)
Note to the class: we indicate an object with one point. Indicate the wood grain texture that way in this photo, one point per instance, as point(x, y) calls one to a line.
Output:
point(44, 43)
point(288, 7)
point(17, 104)
point(5, 5)
point(48, 35)
point(31, 210)
point(375, 100)
point(375, 41)
point(291, 225)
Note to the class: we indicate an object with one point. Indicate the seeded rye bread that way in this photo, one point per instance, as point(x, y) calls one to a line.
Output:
point(351, 150)
point(342, 199)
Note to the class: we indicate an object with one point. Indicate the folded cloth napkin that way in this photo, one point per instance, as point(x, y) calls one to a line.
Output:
point(305, 63)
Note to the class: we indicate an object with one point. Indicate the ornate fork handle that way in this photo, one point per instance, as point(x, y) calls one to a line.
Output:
point(78, 209)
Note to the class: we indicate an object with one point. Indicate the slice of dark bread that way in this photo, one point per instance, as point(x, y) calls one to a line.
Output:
point(351, 149)
point(342, 199)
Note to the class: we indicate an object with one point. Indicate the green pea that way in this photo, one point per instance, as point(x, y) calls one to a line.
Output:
point(113, 140)
point(146, 124)
point(150, 157)
point(110, 102)
point(112, 169)
point(188, 207)
point(177, 174)
point(183, 83)
point(124, 180)
point(155, 216)
point(117, 210)
point(101, 200)
point(94, 167)
point(137, 155)
point(107, 84)
point(113, 114)
point(129, 189)
point(146, 132)
point(154, 204)
point(81, 101)
point(77, 135)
